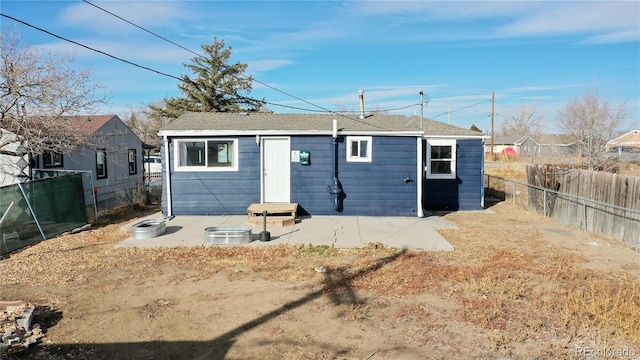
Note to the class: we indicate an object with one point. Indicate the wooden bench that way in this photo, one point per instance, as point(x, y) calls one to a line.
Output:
point(278, 214)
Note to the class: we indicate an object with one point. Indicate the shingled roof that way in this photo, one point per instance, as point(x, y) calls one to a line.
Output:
point(204, 123)
point(88, 124)
point(630, 139)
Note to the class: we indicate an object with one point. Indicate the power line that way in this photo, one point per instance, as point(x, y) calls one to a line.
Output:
point(141, 28)
point(156, 71)
point(240, 74)
point(179, 79)
point(461, 108)
point(90, 48)
point(382, 110)
point(199, 55)
point(124, 60)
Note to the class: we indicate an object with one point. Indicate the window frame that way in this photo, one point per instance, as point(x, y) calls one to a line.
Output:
point(428, 168)
point(359, 139)
point(133, 165)
point(50, 154)
point(178, 148)
point(104, 174)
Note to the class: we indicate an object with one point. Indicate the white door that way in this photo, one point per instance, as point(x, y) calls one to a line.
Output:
point(276, 170)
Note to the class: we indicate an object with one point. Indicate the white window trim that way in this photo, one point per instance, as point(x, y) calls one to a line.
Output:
point(176, 156)
point(369, 156)
point(441, 142)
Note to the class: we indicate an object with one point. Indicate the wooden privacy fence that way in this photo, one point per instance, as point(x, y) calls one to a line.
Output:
point(604, 203)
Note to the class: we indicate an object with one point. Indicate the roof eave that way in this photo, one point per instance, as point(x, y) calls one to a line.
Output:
point(469, 136)
point(204, 133)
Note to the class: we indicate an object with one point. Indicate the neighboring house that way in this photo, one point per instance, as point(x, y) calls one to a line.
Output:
point(548, 145)
point(625, 147)
point(221, 163)
point(628, 141)
point(502, 143)
point(13, 169)
point(113, 155)
point(153, 166)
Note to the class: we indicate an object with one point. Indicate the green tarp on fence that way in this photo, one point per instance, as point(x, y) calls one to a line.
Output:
point(39, 210)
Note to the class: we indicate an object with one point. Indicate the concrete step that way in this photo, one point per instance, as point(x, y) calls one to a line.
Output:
point(272, 220)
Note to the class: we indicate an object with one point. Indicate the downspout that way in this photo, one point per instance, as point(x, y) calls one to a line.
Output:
point(167, 164)
point(335, 189)
point(419, 176)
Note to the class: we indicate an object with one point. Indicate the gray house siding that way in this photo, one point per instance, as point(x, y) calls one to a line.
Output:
point(216, 192)
point(118, 187)
point(466, 191)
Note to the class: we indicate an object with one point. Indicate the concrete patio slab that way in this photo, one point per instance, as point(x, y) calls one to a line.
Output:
point(330, 230)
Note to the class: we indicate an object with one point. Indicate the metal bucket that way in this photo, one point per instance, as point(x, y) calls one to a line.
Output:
point(220, 235)
point(147, 229)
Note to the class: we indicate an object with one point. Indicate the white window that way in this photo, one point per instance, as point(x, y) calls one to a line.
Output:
point(206, 155)
point(101, 163)
point(359, 148)
point(441, 159)
point(133, 161)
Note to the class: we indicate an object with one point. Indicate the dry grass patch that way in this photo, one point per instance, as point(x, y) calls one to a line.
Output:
point(509, 286)
point(507, 170)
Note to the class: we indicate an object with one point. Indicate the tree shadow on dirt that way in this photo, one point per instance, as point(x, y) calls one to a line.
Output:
point(336, 285)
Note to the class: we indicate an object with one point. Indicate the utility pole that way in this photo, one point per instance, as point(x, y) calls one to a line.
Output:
point(421, 110)
point(493, 106)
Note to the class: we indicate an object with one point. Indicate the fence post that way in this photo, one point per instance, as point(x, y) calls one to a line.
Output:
point(513, 191)
point(584, 214)
point(544, 202)
point(35, 218)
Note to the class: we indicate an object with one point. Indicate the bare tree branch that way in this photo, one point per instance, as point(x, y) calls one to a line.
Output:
point(523, 121)
point(592, 122)
point(36, 91)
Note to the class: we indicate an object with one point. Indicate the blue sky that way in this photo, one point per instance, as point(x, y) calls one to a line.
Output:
point(531, 53)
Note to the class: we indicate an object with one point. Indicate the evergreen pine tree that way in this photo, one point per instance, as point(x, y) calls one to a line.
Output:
point(215, 87)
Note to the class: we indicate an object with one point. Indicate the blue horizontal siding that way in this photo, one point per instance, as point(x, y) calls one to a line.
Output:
point(371, 188)
point(466, 191)
point(218, 192)
point(375, 188)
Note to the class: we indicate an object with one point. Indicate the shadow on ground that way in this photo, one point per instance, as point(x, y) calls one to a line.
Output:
point(337, 285)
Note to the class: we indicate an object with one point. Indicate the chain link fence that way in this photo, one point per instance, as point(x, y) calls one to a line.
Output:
point(589, 215)
point(41, 209)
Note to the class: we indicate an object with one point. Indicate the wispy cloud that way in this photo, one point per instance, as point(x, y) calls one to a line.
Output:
point(133, 52)
point(438, 10)
point(598, 20)
point(266, 65)
point(615, 37)
point(141, 13)
point(539, 88)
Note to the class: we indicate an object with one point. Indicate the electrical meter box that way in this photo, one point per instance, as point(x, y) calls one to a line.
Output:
point(305, 157)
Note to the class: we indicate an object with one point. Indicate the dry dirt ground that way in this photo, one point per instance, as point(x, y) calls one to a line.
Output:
point(518, 286)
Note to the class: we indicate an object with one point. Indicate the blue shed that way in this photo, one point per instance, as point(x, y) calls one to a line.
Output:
point(386, 165)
